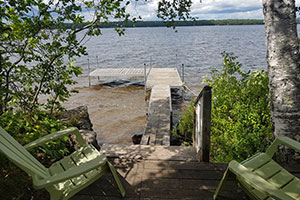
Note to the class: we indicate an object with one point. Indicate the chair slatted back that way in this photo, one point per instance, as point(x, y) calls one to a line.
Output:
point(20, 156)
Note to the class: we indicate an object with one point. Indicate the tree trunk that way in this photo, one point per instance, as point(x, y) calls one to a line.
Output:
point(283, 63)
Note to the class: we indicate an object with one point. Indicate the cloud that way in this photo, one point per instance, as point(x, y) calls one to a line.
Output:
point(147, 10)
point(227, 9)
point(208, 9)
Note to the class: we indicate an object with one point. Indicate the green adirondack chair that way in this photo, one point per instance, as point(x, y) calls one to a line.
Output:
point(262, 178)
point(66, 177)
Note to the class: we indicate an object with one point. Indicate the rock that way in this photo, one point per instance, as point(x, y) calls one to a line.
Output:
point(78, 117)
point(88, 136)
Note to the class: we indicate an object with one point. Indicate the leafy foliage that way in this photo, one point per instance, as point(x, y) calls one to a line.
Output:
point(184, 130)
point(240, 124)
point(25, 128)
point(37, 51)
point(171, 10)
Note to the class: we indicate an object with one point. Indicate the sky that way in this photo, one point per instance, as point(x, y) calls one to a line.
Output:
point(208, 9)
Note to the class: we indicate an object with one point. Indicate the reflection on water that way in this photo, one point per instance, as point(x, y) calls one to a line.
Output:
point(117, 110)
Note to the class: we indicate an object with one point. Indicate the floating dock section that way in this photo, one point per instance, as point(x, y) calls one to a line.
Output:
point(113, 72)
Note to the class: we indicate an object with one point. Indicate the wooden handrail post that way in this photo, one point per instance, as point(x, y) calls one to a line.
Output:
point(202, 121)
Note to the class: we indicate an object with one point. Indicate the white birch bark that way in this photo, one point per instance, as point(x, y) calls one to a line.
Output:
point(283, 64)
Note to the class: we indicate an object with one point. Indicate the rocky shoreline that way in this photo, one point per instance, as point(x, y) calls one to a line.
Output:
point(79, 117)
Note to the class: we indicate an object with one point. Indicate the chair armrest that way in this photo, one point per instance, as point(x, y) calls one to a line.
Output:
point(56, 135)
point(284, 141)
point(99, 161)
point(256, 181)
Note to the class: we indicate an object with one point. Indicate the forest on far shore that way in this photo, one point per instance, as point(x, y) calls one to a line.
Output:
point(181, 23)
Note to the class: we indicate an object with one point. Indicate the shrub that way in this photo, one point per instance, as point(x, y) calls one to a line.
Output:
point(240, 125)
point(184, 130)
point(25, 128)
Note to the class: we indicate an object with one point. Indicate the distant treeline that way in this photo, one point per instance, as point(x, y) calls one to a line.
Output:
point(186, 23)
point(182, 23)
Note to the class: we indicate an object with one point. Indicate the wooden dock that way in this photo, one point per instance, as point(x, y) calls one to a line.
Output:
point(117, 72)
point(159, 81)
point(159, 122)
point(157, 131)
point(164, 76)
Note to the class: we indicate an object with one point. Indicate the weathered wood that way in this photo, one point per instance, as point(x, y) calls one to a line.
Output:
point(202, 120)
point(115, 72)
point(164, 76)
point(157, 131)
point(157, 172)
point(160, 174)
point(149, 152)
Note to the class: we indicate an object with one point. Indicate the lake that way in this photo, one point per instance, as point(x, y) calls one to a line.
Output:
point(198, 48)
point(118, 112)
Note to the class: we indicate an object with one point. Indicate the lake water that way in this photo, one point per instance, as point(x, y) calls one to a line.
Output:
point(119, 112)
point(198, 48)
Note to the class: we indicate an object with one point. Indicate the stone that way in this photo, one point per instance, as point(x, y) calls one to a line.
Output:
point(88, 136)
point(77, 117)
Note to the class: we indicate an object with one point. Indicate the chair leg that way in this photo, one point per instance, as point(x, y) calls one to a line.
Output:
point(116, 178)
point(55, 195)
point(220, 186)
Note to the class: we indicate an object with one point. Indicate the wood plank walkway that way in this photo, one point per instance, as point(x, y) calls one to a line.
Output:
point(116, 72)
point(159, 121)
point(160, 172)
point(157, 131)
point(164, 76)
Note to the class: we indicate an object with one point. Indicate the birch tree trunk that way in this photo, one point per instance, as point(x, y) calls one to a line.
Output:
point(283, 63)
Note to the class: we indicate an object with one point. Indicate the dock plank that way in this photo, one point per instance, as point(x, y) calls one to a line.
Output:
point(160, 174)
point(115, 72)
point(157, 131)
point(164, 76)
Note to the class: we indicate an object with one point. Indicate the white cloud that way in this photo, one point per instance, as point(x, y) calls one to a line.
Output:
point(208, 9)
point(227, 9)
point(147, 10)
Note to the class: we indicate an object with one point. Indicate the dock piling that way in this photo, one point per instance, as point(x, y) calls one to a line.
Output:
point(89, 72)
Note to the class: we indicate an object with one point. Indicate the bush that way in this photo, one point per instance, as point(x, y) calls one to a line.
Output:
point(240, 125)
point(184, 130)
point(26, 128)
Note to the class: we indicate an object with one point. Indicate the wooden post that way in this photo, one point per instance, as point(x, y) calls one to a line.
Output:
point(171, 111)
point(182, 78)
point(182, 73)
point(202, 120)
point(89, 72)
point(98, 67)
point(145, 78)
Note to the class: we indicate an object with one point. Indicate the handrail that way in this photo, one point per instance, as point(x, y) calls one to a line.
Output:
point(202, 118)
point(171, 111)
